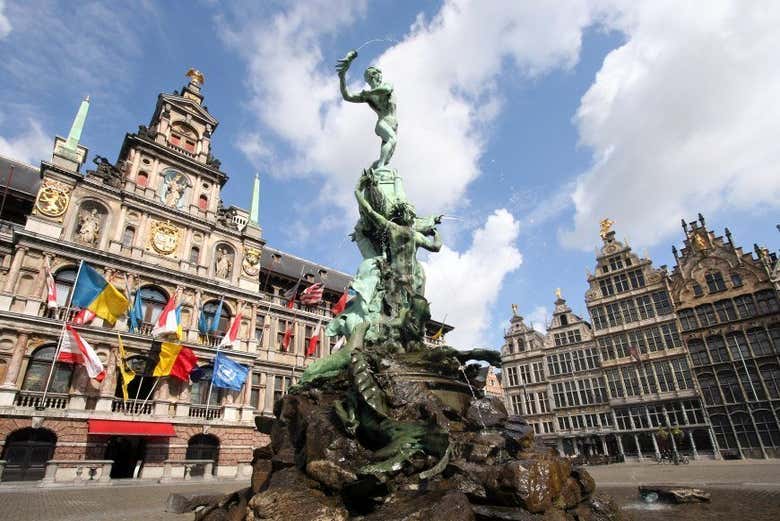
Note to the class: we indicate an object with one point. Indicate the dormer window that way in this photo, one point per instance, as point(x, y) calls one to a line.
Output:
point(203, 203)
point(183, 136)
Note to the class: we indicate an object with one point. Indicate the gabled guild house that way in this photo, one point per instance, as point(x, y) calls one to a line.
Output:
point(153, 225)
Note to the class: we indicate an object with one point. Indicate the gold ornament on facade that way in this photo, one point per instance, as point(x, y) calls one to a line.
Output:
point(558, 293)
point(196, 76)
point(606, 226)
point(53, 198)
point(164, 237)
point(700, 242)
point(251, 262)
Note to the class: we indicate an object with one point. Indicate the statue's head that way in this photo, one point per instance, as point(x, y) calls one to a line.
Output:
point(402, 213)
point(373, 76)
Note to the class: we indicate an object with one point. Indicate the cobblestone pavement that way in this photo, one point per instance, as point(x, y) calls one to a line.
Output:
point(116, 502)
point(741, 490)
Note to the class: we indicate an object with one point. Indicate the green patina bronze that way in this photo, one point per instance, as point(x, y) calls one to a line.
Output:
point(385, 320)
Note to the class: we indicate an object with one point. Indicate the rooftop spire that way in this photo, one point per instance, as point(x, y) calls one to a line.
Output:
point(254, 209)
point(78, 126)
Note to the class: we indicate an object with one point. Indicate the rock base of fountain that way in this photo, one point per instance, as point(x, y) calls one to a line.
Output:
point(316, 469)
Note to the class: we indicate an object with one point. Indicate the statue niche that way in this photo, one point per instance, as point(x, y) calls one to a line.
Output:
point(174, 188)
point(89, 222)
point(223, 261)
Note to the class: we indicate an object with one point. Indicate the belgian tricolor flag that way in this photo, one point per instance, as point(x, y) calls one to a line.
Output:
point(166, 358)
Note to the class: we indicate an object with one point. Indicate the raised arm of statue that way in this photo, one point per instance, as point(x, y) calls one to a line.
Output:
point(342, 67)
point(366, 208)
point(429, 242)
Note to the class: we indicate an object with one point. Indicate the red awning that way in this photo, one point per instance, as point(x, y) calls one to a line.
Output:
point(130, 428)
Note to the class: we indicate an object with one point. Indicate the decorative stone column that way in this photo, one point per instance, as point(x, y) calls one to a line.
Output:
point(693, 445)
point(6, 299)
point(620, 446)
point(638, 447)
point(162, 397)
point(8, 388)
point(78, 387)
point(604, 445)
point(655, 445)
point(247, 408)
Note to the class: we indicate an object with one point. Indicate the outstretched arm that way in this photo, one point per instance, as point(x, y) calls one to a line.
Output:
point(366, 208)
point(429, 242)
point(342, 67)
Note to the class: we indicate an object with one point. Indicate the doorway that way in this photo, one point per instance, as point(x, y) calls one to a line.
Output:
point(127, 452)
point(26, 453)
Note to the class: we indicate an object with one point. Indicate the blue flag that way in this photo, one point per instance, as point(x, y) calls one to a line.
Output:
point(217, 315)
point(136, 315)
point(228, 374)
point(203, 322)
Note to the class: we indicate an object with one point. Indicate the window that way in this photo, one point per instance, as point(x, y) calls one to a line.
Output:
point(615, 263)
point(530, 403)
point(606, 287)
point(698, 352)
point(759, 342)
point(736, 280)
point(607, 352)
point(128, 237)
point(771, 377)
point(697, 291)
point(209, 312)
point(511, 373)
point(725, 310)
point(687, 320)
point(717, 348)
point(281, 385)
point(544, 403)
point(709, 390)
point(558, 395)
point(538, 371)
point(637, 278)
point(153, 300)
point(142, 179)
point(630, 313)
point(715, 282)
point(671, 336)
point(745, 306)
point(621, 345)
point(254, 400)
point(284, 325)
point(621, 283)
point(203, 203)
point(623, 419)
point(767, 428)
point(631, 381)
point(194, 255)
point(656, 414)
point(774, 334)
point(737, 345)
point(723, 432)
point(606, 419)
point(525, 374)
point(682, 373)
point(38, 372)
point(645, 305)
point(766, 301)
point(613, 314)
point(199, 391)
point(517, 404)
point(663, 372)
point(655, 341)
point(564, 320)
point(647, 379)
point(560, 339)
point(743, 427)
point(63, 281)
point(573, 336)
point(598, 317)
point(730, 387)
point(751, 384)
point(706, 315)
point(662, 304)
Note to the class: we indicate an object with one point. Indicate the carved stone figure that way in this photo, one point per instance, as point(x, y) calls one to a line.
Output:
point(605, 225)
point(175, 187)
point(111, 175)
point(251, 262)
point(224, 263)
point(381, 100)
point(89, 226)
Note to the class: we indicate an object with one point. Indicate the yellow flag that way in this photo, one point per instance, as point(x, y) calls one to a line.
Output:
point(438, 334)
point(126, 373)
point(110, 304)
point(168, 354)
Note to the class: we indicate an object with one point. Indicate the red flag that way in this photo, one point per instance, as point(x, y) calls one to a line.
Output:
point(313, 341)
point(291, 293)
point(339, 306)
point(286, 339)
point(76, 350)
point(312, 295)
point(84, 316)
point(185, 362)
point(51, 288)
point(167, 321)
point(232, 333)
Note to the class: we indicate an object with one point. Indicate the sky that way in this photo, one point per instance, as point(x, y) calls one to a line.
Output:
point(526, 122)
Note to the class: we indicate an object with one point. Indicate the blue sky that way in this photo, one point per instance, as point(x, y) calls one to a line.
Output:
point(529, 121)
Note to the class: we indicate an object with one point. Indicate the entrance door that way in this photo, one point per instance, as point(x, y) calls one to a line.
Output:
point(26, 453)
point(203, 446)
point(126, 452)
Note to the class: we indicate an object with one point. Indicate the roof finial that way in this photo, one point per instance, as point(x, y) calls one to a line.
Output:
point(78, 126)
point(605, 225)
point(196, 76)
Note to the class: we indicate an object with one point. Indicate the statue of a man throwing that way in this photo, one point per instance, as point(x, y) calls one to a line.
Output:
point(381, 99)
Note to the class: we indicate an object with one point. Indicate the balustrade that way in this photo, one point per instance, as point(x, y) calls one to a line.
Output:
point(35, 399)
point(205, 413)
point(132, 407)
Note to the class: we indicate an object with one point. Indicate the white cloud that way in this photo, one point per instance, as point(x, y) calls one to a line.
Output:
point(445, 71)
point(538, 319)
point(683, 118)
point(465, 285)
point(31, 146)
point(5, 24)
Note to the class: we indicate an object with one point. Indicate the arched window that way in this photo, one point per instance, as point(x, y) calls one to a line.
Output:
point(698, 352)
point(38, 372)
point(767, 428)
point(737, 345)
point(200, 389)
point(63, 281)
point(723, 432)
point(154, 300)
point(142, 179)
point(203, 446)
point(141, 385)
point(759, 342)
point(746, 433)
point(730, 387)
point(194, 255)
point(709, 390)
point(26, 452)
point(203, 202)
point(210, 310)
point(128, 237)
point(771, 376)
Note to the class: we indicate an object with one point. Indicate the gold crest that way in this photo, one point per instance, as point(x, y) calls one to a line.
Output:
point(53, 198)
point(251, 262)
point(164, 237)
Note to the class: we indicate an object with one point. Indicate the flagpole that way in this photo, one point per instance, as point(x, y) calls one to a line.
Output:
point(62, 334)
point(239, 310)
point(137, 393)
point(150, 393)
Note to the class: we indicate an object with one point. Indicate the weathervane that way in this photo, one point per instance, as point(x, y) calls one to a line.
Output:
point(606, 226)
